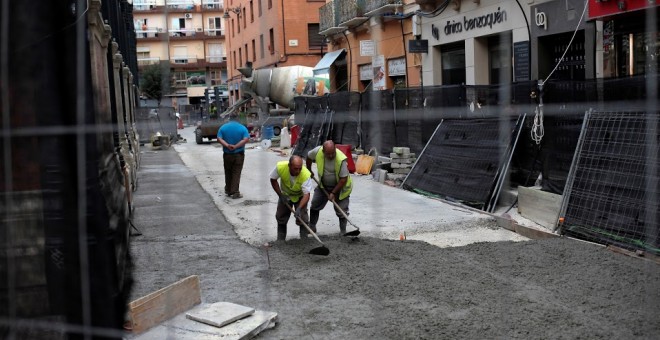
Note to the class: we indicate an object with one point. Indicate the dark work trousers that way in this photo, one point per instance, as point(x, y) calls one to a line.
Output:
point(318, 203)
point(282, 216)
point(233, 163)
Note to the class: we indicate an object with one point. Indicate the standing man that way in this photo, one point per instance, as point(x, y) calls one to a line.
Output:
point(293, 190)
point(332, 169)
point(233, 136)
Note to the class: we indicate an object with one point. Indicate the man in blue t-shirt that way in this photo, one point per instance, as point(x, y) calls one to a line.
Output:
point(233, 136)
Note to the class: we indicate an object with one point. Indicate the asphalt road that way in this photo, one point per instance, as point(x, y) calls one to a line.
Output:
point(377, 287)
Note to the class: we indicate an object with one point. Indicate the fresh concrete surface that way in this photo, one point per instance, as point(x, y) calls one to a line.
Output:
point(378, 210)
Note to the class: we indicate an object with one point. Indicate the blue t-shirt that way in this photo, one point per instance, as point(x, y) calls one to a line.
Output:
point(233, 132)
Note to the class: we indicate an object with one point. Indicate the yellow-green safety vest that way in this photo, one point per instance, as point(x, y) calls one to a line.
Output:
point(294, 192)
point(339, 157)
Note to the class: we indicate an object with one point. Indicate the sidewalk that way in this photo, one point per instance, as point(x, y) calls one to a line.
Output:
point(378, 210)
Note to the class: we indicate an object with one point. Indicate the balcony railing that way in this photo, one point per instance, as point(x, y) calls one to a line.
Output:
point(377, 7)
point(148, 32)
point(216, 58)
point(183, 32)
point(183, 60)
point(351, 12)
point(144, 5)
point(181, 4)
point(328, 19)
point(213, 4)
point(215, 32)
point(148, 61)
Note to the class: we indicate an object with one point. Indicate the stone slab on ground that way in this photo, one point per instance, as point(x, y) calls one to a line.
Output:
point(219, 314)
point(182, 328)
point(539, 206)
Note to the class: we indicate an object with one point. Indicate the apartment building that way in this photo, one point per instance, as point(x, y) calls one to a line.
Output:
point(271, 33)
point(188, 38)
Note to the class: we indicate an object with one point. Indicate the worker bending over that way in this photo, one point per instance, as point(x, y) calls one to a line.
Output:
point(294, 187)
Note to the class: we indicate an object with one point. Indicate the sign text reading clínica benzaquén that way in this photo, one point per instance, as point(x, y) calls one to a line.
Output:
point(486, 20)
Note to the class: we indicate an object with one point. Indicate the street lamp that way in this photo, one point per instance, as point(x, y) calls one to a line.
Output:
point(236, 10)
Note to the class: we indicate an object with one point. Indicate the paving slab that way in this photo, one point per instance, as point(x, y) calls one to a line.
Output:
point(182, 328)
point(219, 314)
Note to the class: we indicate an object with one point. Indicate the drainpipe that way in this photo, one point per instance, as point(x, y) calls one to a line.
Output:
point(285, 57)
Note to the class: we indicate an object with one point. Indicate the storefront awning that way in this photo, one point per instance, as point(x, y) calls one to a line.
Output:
point(327, 61)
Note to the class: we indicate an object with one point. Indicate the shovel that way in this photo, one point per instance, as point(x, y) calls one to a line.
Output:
point(350, 233)
point(323, 250)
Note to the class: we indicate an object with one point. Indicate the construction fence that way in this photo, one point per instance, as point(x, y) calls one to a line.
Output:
point(472, 141)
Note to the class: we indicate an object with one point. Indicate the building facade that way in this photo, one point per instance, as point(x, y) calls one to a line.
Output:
point(187, 38)
point(375, 35)
point(270, 33)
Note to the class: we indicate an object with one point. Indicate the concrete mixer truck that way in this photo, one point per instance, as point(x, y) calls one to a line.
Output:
point(267, 87)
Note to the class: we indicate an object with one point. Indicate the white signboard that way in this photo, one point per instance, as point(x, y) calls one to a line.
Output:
point(366, 72)
point(396, 67)
point(378, 66)
point(367, 48)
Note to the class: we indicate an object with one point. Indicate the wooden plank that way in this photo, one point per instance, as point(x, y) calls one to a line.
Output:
point(163, 304)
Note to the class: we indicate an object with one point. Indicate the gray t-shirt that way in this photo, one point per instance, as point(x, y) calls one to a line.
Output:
point(328, 176)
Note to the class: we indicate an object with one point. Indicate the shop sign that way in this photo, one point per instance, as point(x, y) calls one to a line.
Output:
point(467, 24)
point(540, 18)
point(378, 67)
point(367, 48)
point(366, 72)
point(396, 67)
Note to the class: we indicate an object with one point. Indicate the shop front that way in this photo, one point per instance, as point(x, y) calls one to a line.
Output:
point(630, 39)
point(559, 29)
point(474, 44)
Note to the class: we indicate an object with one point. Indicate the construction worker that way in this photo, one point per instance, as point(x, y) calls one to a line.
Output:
point(334, 178)
point(294, 187)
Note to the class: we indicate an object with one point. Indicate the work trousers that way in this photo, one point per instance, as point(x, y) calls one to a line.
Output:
point(233, 163)
point(319, 202)
point(282, 216)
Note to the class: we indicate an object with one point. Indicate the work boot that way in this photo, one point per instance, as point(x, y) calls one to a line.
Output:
point(342, 225)
point(281, 232)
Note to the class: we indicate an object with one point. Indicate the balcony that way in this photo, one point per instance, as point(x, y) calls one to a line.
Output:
point(144, 5)
point(183, 5)
point(380, 7)
point(148, 61)
point(328, 20)
point(185, 33)
point(148, 33)
point(216, 61)
point(351, 12)
point(212, 5)
point(214, 32)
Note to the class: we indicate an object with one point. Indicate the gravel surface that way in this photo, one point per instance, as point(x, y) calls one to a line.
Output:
point(372, 288)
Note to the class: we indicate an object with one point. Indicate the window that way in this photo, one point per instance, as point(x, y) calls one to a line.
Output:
point(233, 33)
point(251, 11)
point(270, 4)
point(247, 53)
point(233, 59)
point(315, 39)
point(453, 63)
point(216, 77)
point(260, 7)
point(271, 45)
point(254, 50)
point(244, 18)
point(240, 58)
point(214, 26)
point(180, 79)
point(261, 45)
point(238, 24)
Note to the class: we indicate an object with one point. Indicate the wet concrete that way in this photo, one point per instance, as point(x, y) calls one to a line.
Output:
point(377, 288)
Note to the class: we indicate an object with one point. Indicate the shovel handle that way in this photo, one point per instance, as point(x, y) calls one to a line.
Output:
point(304, 224)
point(335, 203)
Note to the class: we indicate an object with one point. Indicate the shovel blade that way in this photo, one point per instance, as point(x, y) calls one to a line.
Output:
point(352, 233)
point(323, 251)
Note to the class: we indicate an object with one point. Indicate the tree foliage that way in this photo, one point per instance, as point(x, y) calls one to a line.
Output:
point(154, 82)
